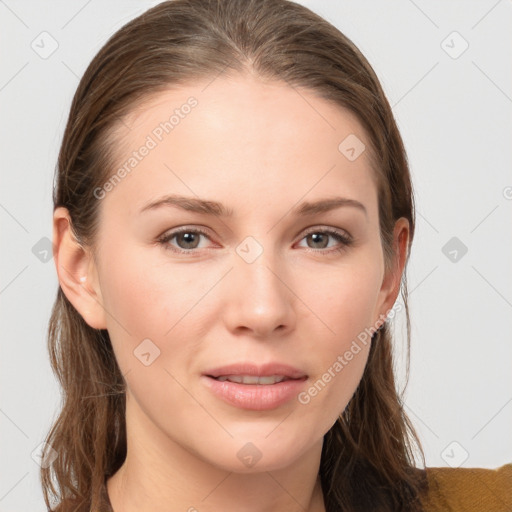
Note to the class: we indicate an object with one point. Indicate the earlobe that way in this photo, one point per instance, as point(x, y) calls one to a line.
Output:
point(76, 271)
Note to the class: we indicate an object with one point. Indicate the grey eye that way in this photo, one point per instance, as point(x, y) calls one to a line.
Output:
point(187, 239)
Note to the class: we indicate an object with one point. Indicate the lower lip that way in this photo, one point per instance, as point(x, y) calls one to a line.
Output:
point(255, 397)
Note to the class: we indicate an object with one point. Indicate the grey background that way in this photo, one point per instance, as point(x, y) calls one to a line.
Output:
point(454, 112)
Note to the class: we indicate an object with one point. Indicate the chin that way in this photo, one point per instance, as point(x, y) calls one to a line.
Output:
point(256, 454)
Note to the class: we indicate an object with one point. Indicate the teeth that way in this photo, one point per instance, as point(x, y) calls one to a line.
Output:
point(252, 379)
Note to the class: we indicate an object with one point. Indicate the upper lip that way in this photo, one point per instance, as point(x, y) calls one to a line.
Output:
point(264, 370)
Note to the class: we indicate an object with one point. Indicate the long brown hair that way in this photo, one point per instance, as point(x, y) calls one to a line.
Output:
point(368, 459)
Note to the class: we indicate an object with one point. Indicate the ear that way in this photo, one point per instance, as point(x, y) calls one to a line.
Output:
point(393, 276)
point(76, 271)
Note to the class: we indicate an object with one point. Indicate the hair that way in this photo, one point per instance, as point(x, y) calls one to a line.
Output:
point(368, 459)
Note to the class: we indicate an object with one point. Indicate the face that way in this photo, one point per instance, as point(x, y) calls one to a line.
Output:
point(257, 276)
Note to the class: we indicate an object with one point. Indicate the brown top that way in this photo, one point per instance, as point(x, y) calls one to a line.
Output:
point(451, 490)
point(469, 489)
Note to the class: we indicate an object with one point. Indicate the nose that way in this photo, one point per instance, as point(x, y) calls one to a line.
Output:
point(259, 300)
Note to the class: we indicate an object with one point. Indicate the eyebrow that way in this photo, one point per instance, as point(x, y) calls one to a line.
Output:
point(325, 205)
point(191, 204)
point(216, 209)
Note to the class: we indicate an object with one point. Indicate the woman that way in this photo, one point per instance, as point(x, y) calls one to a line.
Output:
point(233, 217)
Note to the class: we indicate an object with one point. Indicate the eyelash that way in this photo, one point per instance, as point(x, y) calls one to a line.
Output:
point(345, 240)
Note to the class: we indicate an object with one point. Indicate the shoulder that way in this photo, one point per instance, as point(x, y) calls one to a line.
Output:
point(469, 489)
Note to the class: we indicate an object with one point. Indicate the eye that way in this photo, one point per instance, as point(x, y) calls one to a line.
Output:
point(319, 239)
point(187, 239)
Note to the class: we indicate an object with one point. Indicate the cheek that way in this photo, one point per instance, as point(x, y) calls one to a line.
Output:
point(345, 303)
point(148, 301)
point(345, 299)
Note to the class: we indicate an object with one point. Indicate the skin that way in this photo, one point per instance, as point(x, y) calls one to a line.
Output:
point(260, 149)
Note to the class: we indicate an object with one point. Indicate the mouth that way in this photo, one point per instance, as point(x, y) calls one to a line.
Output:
point(252, 387)
point(252, 379)
point(249, 373)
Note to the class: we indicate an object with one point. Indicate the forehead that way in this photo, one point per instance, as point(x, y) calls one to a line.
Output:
point(211, 137)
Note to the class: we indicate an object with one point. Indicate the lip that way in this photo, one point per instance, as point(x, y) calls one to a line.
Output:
point(252, 369)
point(255, 397)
